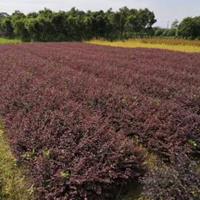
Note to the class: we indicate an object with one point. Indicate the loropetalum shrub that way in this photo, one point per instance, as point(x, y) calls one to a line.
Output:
point(178, 181)
point(73, 113)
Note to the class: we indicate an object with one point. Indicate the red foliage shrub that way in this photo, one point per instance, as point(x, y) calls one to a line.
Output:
point(72, 109)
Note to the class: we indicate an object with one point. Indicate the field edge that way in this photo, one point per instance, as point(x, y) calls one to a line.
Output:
point(13, 183)
point(186, 48)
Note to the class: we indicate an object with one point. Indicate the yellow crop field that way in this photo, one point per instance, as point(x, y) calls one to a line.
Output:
point(169, 44)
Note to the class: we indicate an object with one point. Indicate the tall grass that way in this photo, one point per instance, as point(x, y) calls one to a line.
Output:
point(171, 41)
point(159, 43)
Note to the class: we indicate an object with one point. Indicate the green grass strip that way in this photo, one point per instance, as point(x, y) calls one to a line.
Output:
point(13, 184)
point(9, 41)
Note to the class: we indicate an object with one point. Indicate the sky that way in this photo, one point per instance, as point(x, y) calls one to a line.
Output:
point(166, 11)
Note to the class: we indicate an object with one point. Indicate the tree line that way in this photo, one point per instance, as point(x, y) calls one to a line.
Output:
point(188, 28)
point(76, 25)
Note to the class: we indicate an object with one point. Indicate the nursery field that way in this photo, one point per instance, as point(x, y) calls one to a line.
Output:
point(92, 122)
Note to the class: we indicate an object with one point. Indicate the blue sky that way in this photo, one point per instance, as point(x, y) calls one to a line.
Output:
point(166, 11)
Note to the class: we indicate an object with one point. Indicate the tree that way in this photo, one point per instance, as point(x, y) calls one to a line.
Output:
point(18, 15)
point(59, 23)
point(175, 24)
point(76, 25)
point(4, 14)
point(7, 27)
point(174, 28)
point(146, 20)
point(20, 29)
point(33, 28)
point(187, 28)
point(159, 31)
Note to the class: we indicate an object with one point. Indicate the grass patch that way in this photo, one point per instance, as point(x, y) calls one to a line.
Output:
point(9, 41)
point(169, 44)
point(134, 191)
point(13, 184)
